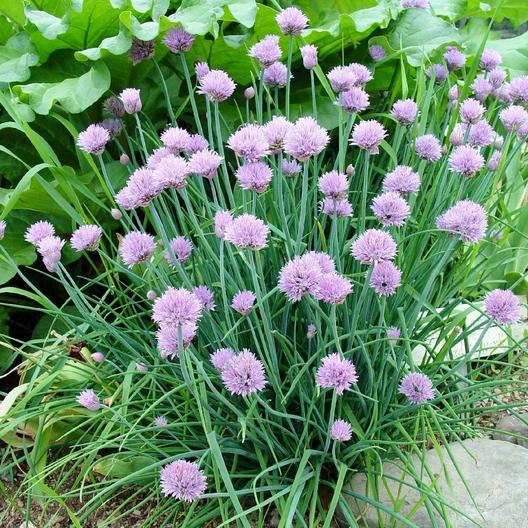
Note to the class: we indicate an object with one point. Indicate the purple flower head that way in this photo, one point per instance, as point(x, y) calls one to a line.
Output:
point(217, 86)
point(2, 229)
point(361, 74)
point(368, 135)
point(405, 111)
point(402, 179)
point(247, 231)
point(311, 331)
point(519, 89)
point(196, 143)
point(439, 71)
point(249, 92)
point(490, 59)
point(136, 248)
point(275, 132)
point(290, 168)
point(454, 93)
point(291, 21)
point(140, 50)
point(341, 431)
point(37, 231)
point(254, 176)
point(113, 126)
point(496, 77)
point(221, 358)
point(244, 374)
point(466, 220)
point(394, 334)
point(471, 110)
point(481, 88)
point(513, 117)
point(176, 139)
point(266, 51)
point(140, 189)
point(201, 69)
point(374, 245)
point(377, 52)
point(390, 209)
point(93, 140)
point(243, 302)
point(249, 142)
point(222, 221)
point(87, 398)
point(182, 480)
point(309, 56)
point(177, 307)
point(131, 100)
point(180, 248)
point(419, 4)
point(458, 135)
point(494, 161)
point(466, 160)
point(428, 148)
point(50, 249)
point(417, 387)
point(178, 40)
point(305, 139)
point(114, 107)
point(86, 238)
point(341, 78)
point(504, 94)
point(481, 134)
point(299, 277)
point(205, 296)
point(333, 184)
point(503, 306)
point(168, 339)
point(276, 75)
point(156, 156)
point(385, 277)
point(321, 260)
point(336, 373)
point(341, 207)
point(171, 172)
point(454, 58)
point(160, 421)
point(354, 100)
point(333, 288)
point(205, 163)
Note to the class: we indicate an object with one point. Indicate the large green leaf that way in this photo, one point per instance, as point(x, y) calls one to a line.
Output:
point(16, 58)
point(515, 10)
point(13, 9)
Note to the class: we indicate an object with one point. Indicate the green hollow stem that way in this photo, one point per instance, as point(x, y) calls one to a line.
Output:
point(330, 421)
point(288, 80)
point(314, 99)
point(166, 93)
point(260, 102)
point(220, 145)
point(141, 136)
point(190, 88)
point(364, 192)
point(304, 200)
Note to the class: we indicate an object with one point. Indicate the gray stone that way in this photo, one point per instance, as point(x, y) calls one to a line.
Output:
point(513, 429)
point(495, 472)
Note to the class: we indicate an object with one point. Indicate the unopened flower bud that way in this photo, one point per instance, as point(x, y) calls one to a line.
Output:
point(98, 357)
point(116, 214)
point(350, 170)
point(152, 295)
point(249, 92)
point(124, 159)
point(140, 367)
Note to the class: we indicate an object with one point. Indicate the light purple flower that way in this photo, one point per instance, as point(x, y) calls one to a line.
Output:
point(402, 179)
point(206, 297)
point(112, 126)
point(368, 135)
point(305, 139)
point(322, 260)
point(124, 159)
point(276, 75)
point(390, 209)
point(93, 140)
point(180, 248)
point(196, 143)
point(311, 331)
point(481, 134)
point(439, 71)
point(428, 148)
point(50, 249)
point(254, 176)
point(519, 89)
point(336, 373)
point(98, 357)
point(156, 156)
point(341, 431)
point(177, 307)
point(291, 21)
point(114, 107)
point(404, 111)
point(243, 302)
point(458, 134)
point(160, 421)
point(290, 168)
point(201, 69)
point(341, 78)
point(490, 59)
point(275, 132)
point(354, 100)
point(171, 172)
point(503, 306)
point(504, 94)
point(247, 231)
point(341, 207)
point(249, 92)
point(394, 334)
point(178, 40)
point(385, 277)
point(86, 238)
point(377, 52)
point(140, 189)
point(496, 77)
point(466, 220)
point(37, 231)
point(168, 339)
point(309, 56)
point(513, 117)
point(299, 277)
point(222, 221)
point(217, 86)
point(417, 387)
point(454, 58)
point(244, 374)
point(361, 74)
point(87, 398)
point(471, 110)
point(266, 51)
point(175, 139)
point(221, 357)
point(466, 160)
point(333, 184)
point(136, 248)
point(454, 93)
point(332, 288)
point(249, 142)
point(374, 245)
point(419, 4)
point(481, 88)
point(182, 480)
point(494, 161)
point(205, 163)
point(131, 100)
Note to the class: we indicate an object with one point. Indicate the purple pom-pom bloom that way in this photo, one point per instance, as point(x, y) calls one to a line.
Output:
point(311, 330)
point(503, 306)
point(290, 168)
point(341, 78)
point(276, 75)
point(385, 278)
point(361, 74)
point(131, 100)
point(497, 77)
point(93, 140)
point(390, 209)
point(374, 245)
point(156, 156)
point(417, 387)
point(513, 117)
point(419, 4)
point(466, 160)
point(494, 161)
point(196, 143)
point(309, 56)
point(336, 373)
point(244, 374)
point(50, 249)
point(490, 59)
point(171, 172)
point(254, 176)
point(86, 238)
point(481, 88)
point(341, 431)
point(291, 21)
point(377, 52)
point(332, 288)
point(471, 110)
point(181, 248)
point(405, 111)
point(217, 86)
point(481, 134)
point(182, 480)
point(140, 50)
point(178, 40)
point(136, 248)
point(205, 296)
point(160, 421)
point(87, 398)
point(354, 100)
point(305, 139)
point(341, 207)
point(368, 135)
point(249, 142)
point(222, 221)
point(465, 219)
point(454, 58)
point(37, 231)
point(168, 339)
point(247, 231)
point(221, 358)
point(439, 71)
point(519, 89)
point(299, 277)
point(139, 190)
point(205, 163)
point(201, 69)
point(275, 132)
point(402, 179)
point(175, 139)
point(266, 51)
point(428, 148)
point(243, 302)
point(333, 184)
point(177, 307)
